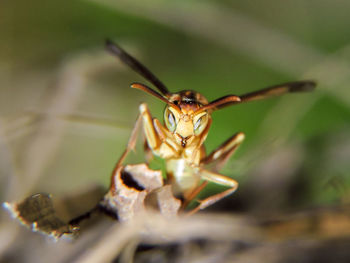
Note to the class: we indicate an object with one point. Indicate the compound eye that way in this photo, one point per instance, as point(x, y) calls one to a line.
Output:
point(200, 124)
point(170, 120)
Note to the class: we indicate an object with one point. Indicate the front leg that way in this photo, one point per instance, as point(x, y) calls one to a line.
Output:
point(220, 179)
point(220, 156)
point(155, 134)
point(151, 136)
point(158, 138)
point(224, 151)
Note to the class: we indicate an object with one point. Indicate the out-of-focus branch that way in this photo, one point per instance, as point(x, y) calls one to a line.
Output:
point(72, 80)
point(155, 229)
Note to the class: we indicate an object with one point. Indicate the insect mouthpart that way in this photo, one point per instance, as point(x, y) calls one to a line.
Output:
point(184, 141)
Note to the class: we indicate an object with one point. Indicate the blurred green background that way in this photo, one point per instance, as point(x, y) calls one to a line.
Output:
point(66, 109)
point(53, 68)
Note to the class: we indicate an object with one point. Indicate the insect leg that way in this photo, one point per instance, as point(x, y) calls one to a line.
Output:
point(148, 127)
point(131, 143)
point(150, 134)
point(154, 135)
point(218, 179)
point(193, 194)
point(224, 151)
point(148, 152)
point(130, 146)
point(220, 156)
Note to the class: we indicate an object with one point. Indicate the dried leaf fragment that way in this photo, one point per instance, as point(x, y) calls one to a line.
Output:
point(37, 213)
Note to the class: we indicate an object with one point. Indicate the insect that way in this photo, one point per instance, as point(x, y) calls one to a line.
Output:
point(187, 120)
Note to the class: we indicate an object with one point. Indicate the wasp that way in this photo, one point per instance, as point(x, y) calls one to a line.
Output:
point(187, 121)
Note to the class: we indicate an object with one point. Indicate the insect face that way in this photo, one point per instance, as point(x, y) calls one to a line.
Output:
point(186, 123)
point(182, 117)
